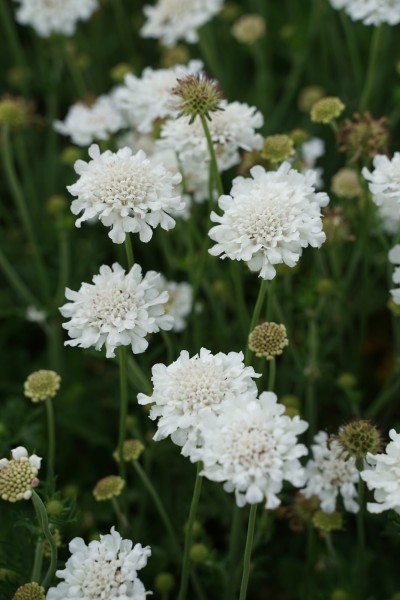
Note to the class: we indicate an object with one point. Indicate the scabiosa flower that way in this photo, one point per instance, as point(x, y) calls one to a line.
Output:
point(268, 219)
point(268, 340)
point(394, 258)
point(54, 16)
point(370, 12)
point(180, 300)
point(109, 487)
point(42, 385)
point(253, 448)
point(172, 20)
point(384, 185)
point(19, 475)
point(197, 95)
point(143, 100)
point(383, 476)
point(118, 309)
point(84, 124)
point(102, 569)
point(331, 472)
point(126, 192)
point(30, 591)
point(190, 388)
point(327, 110)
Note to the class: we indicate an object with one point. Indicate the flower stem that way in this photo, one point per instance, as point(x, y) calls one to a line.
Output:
point(43, 520)
point(361, 531)
point(168, 345)
point(372, 67)
point(234, 538)
point(38, 560)
point(129, 251)
point(214, 172)
point(189, 534)
point(271, 375)
point(17, 283)
point(256, 315)
point(51, 449)
point(123, 378)
point(313, 366)
point(247, 552)
point(120, 515)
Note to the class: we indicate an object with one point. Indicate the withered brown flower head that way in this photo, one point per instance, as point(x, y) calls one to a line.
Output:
point(363, 137)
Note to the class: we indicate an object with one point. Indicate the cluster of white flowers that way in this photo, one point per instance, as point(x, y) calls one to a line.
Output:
point(180, 300)
point(394, 258)
point(84, 124)
point(54, 16)
point(331, 472)
point(384, 185)
point(102, 569)
point(370, 12)
point(126, 192)
point(143, 100)
point(268, 219)
point(118, 309)
point(191, 387)
point(383, 476)
point(173, 20)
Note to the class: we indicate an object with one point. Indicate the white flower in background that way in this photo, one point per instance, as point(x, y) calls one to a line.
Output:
point(126, 192)
point(143, 100)
point(383, 476)
point(189, 388)
point(118, 309)
point(173, 20)
point(180, 301)
point(311, 151)
point(394, 258)
point(269, 218)
point(331, 472)
point(370, 12)
point(231, 129)
point(19, 475)
point(84, 124)
point(36, 315)
point(253, 448)
point(54, 16)
point(102, 569)
point(384, 185)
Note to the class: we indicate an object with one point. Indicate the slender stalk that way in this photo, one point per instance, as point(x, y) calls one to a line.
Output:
point(129, 251)
point(51, 449)
point(122, 357)
point(17, 283)
point(313, 365)
point(352, 47)
point(361, 531)
point(168, 346)
point(214, 172)
point(372, 68)
point(43, 520)
point(234, 538)
point(120, 515)
point(189, 533)
point(271, 374)
point(38, 561)
point(137, 377)
point(256, 315)
point(247, 552)
point(63, 266)
point(10, 32)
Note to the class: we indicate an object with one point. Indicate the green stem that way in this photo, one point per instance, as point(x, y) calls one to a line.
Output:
point(129, 251)
point(234, 538)
point(120, 515)
point(189, 534)
point(38, 561)
point(247, 552)
point(372, 67)
point(17, 283)
point(9, 28)
point(43, 520)
point(361, 531)
point(122, 357)
point(271, 375)
point(137, 377)
point(256, 316)
point(169, 346)
point(214, 172)
point(352, 47)
point(22, 208)
point(63, 266)
point(51, 450)
point(313, 366)
point(76, 74)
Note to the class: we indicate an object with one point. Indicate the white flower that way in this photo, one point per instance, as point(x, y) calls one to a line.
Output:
point(180, 300)
point(252, 447)
point(84, 124)
point(370, 12)
point(190, 388)
point(312, 150)
point(383, 476)
point(36, 315)
point(173, 20)
point(19, 475)
point(394, 258)
point(116, 310)
point(384, 185)
point(231, 129)
point(268, 219)
point(145, 99)
point(332, 472)
point(126, 192)
point(54, 16)
point(102, 569)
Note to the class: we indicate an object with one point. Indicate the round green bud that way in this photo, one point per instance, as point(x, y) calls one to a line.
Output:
point(360, 437)
point(327, 521)
point(327, 110)
point(346, 381)
point(198, 96)
point(54, 508)
point(29, 591)
point(108, 487)
point(249, 28)
point(164, 582)
point(325, 286)
point(268, 340)
point(198, 553)
point(345, 184)
point(309, 96)
point(277, 148)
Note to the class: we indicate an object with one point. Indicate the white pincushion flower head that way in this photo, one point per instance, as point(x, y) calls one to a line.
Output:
point(19, 475)
point(384, 185)
point(118, 309)
point(173, 20)
point(253, 448)
point(383, 476)
point(332, 472)
point(269, 218)
point(394, 258)
point(126, 192)
point(370, 12)
point(191, 387)
point(54, 16)
point(102, 569)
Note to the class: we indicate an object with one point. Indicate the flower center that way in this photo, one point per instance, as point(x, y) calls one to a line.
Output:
point(16, 479)
point(111, 305)
point(102, 579)
point(198, 385)
point(123, 184)
point(252, 446)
